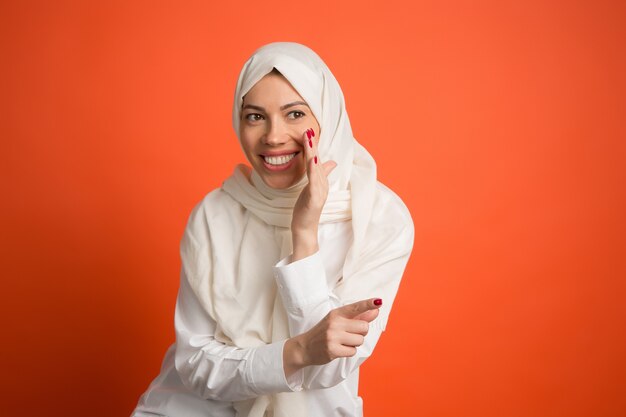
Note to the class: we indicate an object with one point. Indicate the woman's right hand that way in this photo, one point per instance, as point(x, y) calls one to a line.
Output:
point(308, 208)
point(337, 335)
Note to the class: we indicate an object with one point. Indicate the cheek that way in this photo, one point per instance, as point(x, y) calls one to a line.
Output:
point(247, 140)
point(248, 150)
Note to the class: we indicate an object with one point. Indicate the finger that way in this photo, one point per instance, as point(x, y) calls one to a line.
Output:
point(353, 310)
point(342, 351)
point(351, 339)
point(312, 142)
point(314, 164)
point(358, 326)
point(307, 145)
point(369, 316)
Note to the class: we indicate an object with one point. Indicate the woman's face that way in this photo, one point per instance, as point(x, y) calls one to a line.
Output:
point(273, 120)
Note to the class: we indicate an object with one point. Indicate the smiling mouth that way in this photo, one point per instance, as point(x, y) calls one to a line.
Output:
point(279, 160)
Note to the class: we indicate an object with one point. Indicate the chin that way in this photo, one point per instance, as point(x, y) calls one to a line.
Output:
point(281, 180)
point(281, 183)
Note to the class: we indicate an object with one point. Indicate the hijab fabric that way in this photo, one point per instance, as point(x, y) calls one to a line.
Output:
point(239, 291)
point(354, 178)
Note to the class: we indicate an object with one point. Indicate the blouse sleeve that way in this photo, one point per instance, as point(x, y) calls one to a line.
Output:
point(214, 370)
point(308, 298)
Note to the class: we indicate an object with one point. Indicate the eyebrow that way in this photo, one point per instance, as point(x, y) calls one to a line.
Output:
point(286, 106)
point(295, 103)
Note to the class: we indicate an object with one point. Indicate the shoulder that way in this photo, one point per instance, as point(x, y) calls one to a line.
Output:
point(390, 226)
point(390, 207)
point(216, 203)
point(216, 209)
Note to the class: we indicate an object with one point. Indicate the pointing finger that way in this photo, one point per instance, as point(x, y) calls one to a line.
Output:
point(368, 316)
point(353, 310)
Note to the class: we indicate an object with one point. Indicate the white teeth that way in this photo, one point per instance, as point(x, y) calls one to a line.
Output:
point(278, 160)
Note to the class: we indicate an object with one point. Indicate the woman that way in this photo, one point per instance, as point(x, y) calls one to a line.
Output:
point(289, 269)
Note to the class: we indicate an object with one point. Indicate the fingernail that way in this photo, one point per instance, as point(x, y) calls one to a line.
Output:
point(315, 159)
point(310, 143)
point(308, 134)
point(312, 132)
point(378, 302)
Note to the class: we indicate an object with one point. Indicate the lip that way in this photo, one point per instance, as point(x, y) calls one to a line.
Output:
point(279, 153)
point(284, 167)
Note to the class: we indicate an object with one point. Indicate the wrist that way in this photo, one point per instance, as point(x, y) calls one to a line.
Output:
point(304, 244)
point(294, 355)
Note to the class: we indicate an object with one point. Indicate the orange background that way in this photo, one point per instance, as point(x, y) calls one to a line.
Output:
point(500, 123)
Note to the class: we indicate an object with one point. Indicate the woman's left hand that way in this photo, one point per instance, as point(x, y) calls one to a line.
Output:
point(308, 208)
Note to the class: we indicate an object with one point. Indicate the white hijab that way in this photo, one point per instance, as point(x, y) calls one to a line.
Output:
point(352, 182)
point(252, 233)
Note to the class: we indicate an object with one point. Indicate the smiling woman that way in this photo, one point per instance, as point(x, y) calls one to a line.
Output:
point(274, 117)
point(286, 266)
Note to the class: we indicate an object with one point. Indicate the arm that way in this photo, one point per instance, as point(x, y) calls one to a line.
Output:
point(327, 352)
point(309, 301)
point(214, 370)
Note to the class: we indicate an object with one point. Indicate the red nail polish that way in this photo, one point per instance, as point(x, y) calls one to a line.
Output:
point(378, 302)
point(310, 143)
point(312, 132)
point(308, 134)
point(315, 159)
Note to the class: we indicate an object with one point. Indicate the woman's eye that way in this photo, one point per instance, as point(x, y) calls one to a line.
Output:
point(296, 114)
point(253, 117)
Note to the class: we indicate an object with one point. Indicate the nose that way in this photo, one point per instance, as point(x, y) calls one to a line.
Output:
point(276, 134)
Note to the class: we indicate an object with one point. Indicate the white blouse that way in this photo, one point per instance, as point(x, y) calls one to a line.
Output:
point(201, 377)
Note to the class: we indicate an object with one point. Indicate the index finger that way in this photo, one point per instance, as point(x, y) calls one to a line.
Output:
point(309, 145)
point(308, 149)
point(353, 310)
